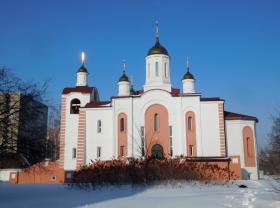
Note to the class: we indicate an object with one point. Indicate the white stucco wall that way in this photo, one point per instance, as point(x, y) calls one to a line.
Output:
point(103, 139)
point(210, 128)
point(234, 136)
point(71, 128)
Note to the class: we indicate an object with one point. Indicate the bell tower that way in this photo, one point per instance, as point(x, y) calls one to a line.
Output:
point(157, 67)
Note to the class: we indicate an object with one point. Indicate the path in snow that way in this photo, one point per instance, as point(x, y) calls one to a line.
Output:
point(258, 194)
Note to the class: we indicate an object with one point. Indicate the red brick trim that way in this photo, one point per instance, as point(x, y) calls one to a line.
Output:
point(62, 132)
point(81, 139)
point(222, 129)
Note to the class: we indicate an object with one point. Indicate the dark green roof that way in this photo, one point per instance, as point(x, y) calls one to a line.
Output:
point(157, 49)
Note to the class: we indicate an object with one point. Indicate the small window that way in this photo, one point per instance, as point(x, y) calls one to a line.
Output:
point(156, 122)
point(142, 142)
point(74, 153)
point(98, 152)
point(149, 70)
point(122, 151)
point(249, 153)
point(170, 141)
point(157, 72)
point(75, 106)
point(190, 123)
point(165, 70)
point(53, 178)
point(122, 124)
point(99, 126)
point(191, 150)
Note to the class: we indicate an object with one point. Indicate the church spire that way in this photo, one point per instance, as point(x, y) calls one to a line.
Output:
point(83, 57)
point(123, 78)
point(188, 74)
point(188, 68)
point(157, 31)
point(124, 66)
point(82, 73)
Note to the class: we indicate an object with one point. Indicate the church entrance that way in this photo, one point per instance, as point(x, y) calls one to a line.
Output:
point(157, 151)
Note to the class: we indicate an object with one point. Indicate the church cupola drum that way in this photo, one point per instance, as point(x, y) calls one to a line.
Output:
point(157, 67)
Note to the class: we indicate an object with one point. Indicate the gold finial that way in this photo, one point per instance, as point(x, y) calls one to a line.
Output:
point(83, 57)
point(124, 66)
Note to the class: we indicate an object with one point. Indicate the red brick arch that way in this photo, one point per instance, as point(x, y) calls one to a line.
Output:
point(161, 136)
point(249, 147)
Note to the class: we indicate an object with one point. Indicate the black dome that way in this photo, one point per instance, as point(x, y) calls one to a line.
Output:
point(82, 69)
point(188, 75)
point(124, 78)
point(157, 49)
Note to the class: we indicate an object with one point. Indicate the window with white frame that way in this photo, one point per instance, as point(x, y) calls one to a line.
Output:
point(74, 153)
point(165, 70)
point(99, 126)
point(170, 141)
point(157, 72)
point(149, 70)
point(142, 142)
point(98, 152)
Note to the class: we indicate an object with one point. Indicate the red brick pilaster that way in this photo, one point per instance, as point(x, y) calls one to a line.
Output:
point(62, 132)
point(222, 129)
point(81, 139)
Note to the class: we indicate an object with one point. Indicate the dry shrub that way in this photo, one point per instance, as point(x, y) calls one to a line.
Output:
point(140, 171)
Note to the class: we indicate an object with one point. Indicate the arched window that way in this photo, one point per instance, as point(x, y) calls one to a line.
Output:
point(99, 126)
point(190, 123)
point(156, 122)
point(75, 106)
point(157, 69)
point(122, 124)
point(165, 70)
point(248, 146)
point(148, 70)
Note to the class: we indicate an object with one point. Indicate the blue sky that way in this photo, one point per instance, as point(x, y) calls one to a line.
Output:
point(234, 46)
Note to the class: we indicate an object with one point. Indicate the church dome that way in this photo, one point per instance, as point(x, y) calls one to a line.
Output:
point(82, 69)
point(157, 49)
point(124, 78)
point(188, 75)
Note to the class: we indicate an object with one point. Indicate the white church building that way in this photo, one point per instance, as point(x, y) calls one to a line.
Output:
point(157, 121)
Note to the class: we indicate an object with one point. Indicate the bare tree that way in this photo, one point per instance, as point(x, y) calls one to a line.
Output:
point(53, 133)
point(23, 117)
point(269, 157)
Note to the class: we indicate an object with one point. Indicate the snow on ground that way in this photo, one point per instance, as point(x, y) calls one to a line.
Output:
point(262, 194)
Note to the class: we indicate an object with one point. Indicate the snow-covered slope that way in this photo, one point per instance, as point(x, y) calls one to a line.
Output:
point(262, 193)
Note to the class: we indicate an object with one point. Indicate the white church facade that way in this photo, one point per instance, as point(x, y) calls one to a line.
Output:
point(157, 121)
